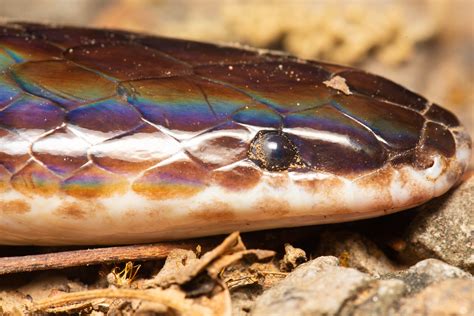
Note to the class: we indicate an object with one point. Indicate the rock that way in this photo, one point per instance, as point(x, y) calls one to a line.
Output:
point(355, 251)
point(321, 287)
point(444, 229)
point(448, 297)
point(243, 299)
point(318, 287)
point(377, 298)
point(293, 258)
point(427, 272)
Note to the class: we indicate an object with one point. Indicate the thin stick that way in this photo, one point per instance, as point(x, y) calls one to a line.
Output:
point(169, 298)
point(83, 257)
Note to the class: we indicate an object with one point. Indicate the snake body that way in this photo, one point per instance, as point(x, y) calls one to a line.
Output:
point(110, 137)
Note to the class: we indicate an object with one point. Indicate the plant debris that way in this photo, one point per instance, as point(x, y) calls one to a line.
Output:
point(185, 285)
point(293, 258)
point(84, 257)
point(338, 83)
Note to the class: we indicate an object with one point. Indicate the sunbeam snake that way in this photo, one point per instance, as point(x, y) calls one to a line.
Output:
point(111, 137)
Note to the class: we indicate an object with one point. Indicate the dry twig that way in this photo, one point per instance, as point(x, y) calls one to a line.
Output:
point(83, 257)
point(169, 298)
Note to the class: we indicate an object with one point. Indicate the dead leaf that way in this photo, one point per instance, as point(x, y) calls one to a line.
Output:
point(219, 301)
point(218, 265)
point(293, 257)
point(231, 244)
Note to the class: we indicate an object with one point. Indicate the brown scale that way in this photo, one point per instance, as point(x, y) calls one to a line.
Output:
point(130, 61)
point(237, 179)
point(4, 179)
point(438, 138)
point(92, 182)
point(440, 115)
point(35, 179)
point(64, 79)
point(179, 179)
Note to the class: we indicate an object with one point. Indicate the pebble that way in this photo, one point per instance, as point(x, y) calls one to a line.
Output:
point(355, 251)
point(318, 287)
point(376, 298)
point(448, 297)
point(427, 272)
point(444, 229)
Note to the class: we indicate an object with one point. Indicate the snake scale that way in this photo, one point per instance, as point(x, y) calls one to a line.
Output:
point(112, 137)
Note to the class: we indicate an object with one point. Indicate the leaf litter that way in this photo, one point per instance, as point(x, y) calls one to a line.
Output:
point(186, 284)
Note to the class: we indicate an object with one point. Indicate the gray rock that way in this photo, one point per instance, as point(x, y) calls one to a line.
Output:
point(378, 298)
point(321, 287)
point(355, 251)
point(318, 287)
point(427, 272)
point(445, 229)
point(448, 297)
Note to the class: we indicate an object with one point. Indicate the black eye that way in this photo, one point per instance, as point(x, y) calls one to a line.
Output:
point(272, 150)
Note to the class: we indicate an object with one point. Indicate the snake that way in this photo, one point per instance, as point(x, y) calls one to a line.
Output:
point(114, 137)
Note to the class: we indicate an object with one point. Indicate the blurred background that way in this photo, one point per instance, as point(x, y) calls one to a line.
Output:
point(426, 45)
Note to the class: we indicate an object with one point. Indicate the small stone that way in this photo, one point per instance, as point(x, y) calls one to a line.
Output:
point(427, 272)
point(377, 298)
point(293, 257)
point(318, 287)
point(448, 297)
point(444, 229)
point(355, 251)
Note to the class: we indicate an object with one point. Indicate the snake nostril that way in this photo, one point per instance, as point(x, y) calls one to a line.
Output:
point(272, 150)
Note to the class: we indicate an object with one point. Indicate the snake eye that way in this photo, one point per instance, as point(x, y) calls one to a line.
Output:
point(272, 150)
